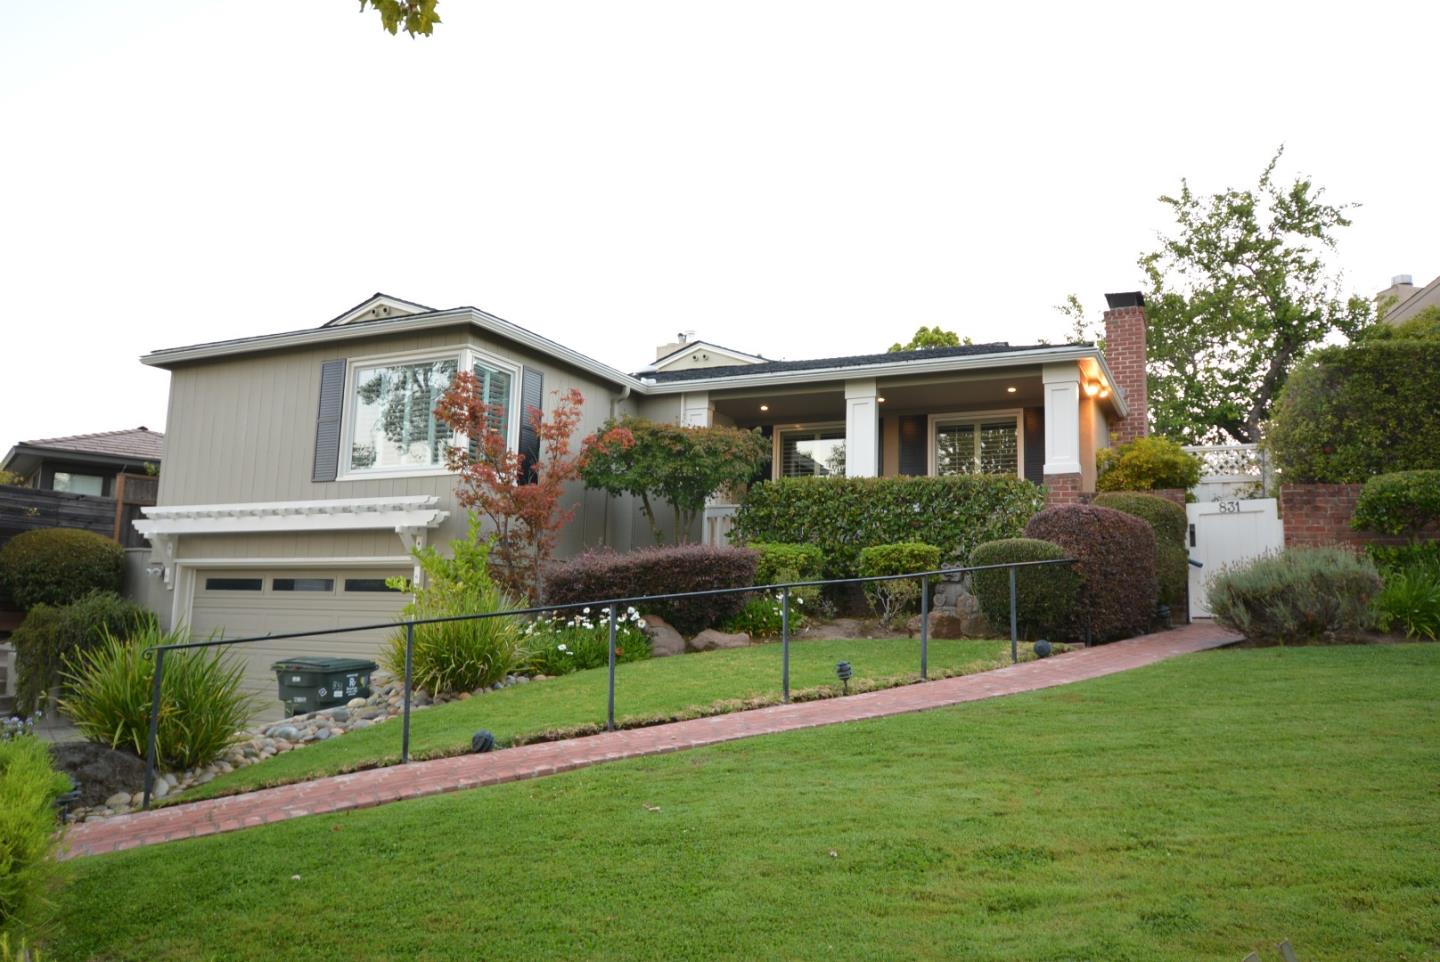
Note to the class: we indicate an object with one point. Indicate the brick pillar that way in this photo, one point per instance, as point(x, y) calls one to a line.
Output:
point(1125, 352)
point(1062, 489)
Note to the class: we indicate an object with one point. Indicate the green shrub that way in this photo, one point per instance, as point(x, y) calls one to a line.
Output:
point(49, 635)
point(844, 515)
point(1347, 413)
point(1397, 557)
point(10, 477)
point(779, 563)
point(1170, 524)
point(1299, 595)
point(55, 566)
point(580, 640)
point(29, 787)
point(763, 615)
point(1409, 601)
point(1401, 502)
point(1146, 464)
point(202, 707)
point(1115, 561)
point(1045, 595)
point(458, 656)
point(891, 599)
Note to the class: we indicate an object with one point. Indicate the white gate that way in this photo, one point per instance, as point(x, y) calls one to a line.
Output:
point(1226, 532)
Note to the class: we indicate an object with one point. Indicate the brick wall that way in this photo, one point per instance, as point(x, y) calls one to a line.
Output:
point(1062, 489)
point(1319, 514)
point(1126, 353)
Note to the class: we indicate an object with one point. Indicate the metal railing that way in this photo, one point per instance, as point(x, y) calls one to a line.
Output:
point(611, 606)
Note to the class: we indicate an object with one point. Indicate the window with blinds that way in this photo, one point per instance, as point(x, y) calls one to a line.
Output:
point(812, 452)
point(495, 387)
point(978, 446)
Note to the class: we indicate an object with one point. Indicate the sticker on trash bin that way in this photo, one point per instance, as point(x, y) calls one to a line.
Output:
point(323, 693)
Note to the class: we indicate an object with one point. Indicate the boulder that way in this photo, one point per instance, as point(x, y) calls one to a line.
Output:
point(664, 640)
point(712, 640)
point(947, 623)
point(99, 771)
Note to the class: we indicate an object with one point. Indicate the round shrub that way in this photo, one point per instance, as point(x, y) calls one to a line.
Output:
point(1045, 595)
point(1296, 596)
point(1172, 574)
point(55, 566)
point(1147, 464)
point(1115, 561)
point(890, 599)
point(795, 562)
point(49, 635)
point(1165, 516)
point(1400, 502)
point(202, 706)
point(29, 787)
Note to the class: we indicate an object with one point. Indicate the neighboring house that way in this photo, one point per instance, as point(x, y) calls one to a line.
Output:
point(86, 463)
point(302, 467)
point(1402, 300)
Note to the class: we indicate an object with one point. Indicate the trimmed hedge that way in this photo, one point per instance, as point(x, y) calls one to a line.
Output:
point(601, 574)
point(29, 786)
point(1115, 561)
point(844, 515)
point(1347, 413)
point(1397, 557)
point(1298, 595)
point(1170, 524)
point(55, 566)
point(1146, 464)
point(1045, 595)
point(49, 635)
point(779, 563)
point(1399, 502)
point(890, 599)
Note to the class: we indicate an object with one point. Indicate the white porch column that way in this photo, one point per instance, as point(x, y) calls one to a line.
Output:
point(1062, 418)
point(862, 429)
point(696, 410)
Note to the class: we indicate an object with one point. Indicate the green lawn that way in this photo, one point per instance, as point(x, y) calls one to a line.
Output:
point(1194, 810)
point(644, 689)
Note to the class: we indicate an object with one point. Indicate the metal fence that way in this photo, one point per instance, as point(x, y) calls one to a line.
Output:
point(612, 605)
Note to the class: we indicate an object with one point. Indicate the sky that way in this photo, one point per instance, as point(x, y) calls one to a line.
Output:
point(796, 179)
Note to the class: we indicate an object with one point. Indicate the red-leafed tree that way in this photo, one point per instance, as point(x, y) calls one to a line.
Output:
point(520, 498)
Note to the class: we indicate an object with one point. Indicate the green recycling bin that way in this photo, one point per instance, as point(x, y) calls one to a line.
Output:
point(309, 684)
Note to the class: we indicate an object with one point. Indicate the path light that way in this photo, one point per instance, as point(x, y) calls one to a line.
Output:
point(1042, 649)
point(481, 741)
point(843, 672)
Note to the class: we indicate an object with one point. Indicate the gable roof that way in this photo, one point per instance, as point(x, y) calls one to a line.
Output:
point(130, 446)
point(686, 348)
point(380, 306)
point(853, 360)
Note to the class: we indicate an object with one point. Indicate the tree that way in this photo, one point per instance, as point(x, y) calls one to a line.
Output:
point(930, 337)
point(1082, 329)
point(1236, 297)
point(416, 16)
point(681, 466)
point(526, 514)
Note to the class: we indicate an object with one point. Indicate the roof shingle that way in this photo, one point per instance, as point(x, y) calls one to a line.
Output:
point(140, 443)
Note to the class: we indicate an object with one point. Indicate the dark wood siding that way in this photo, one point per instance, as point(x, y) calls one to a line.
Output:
point(1035, 445)
point(24, 509)
point(914, 459)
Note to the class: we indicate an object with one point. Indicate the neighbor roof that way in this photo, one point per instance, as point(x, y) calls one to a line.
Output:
point(137, 444)
point(854, 360)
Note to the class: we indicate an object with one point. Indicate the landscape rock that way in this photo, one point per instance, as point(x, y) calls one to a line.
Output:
point(99, 771)
point(118, 800)
point(712, 640)
point(664, 639)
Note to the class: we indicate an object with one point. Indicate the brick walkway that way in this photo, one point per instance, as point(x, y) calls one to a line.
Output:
point(378, 786)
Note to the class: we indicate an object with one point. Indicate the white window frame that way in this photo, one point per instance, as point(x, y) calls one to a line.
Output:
point(466, 356)
point(975, 417)
point(777, 448)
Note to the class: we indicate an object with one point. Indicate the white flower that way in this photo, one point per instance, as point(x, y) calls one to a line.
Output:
point(584, 611)
point(640, 623)
point(561, 647)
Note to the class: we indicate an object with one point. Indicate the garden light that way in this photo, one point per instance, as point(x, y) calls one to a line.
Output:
point(1042, 649)
point(843, 672)
point(482, 741)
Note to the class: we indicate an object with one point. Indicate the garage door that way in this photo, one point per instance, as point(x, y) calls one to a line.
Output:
point(240, 603)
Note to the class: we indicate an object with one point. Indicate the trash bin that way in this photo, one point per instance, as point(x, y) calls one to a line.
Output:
point(311, 683)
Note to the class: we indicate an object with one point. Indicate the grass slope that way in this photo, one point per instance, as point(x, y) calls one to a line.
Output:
point(1193, 810)
point(659, 686)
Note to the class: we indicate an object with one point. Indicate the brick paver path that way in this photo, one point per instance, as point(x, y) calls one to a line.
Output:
point(381, 785)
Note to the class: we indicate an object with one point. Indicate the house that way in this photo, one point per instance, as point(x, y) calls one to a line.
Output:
point(85, 463)
point(302, 467)
point(1402, 300)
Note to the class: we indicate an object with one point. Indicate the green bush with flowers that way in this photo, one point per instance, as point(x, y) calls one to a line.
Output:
point(763, 614)
point(563, 642)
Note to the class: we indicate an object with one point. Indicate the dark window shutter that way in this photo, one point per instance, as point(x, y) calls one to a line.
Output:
point(914, 439)
point(327, 421)
point(532, 395)
point(1035, 445)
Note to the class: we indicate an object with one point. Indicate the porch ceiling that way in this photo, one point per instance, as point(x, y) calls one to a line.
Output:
point(902, 396)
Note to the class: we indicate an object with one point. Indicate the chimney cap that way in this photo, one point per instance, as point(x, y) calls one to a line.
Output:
point(1125, 299)
point(1402, 280)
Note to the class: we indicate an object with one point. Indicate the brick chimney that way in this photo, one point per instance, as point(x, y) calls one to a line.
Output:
point(1126, 354)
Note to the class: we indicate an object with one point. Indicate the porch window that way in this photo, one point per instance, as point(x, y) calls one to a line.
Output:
point(984, 444)
point(78, 483)
point(813, 452)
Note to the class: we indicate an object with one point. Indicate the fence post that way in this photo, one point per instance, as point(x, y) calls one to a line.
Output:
point(1014, 631)
point(154, 728)
point(409, 676)
point(610, 706)
point(924, 627)
point(785, 643)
